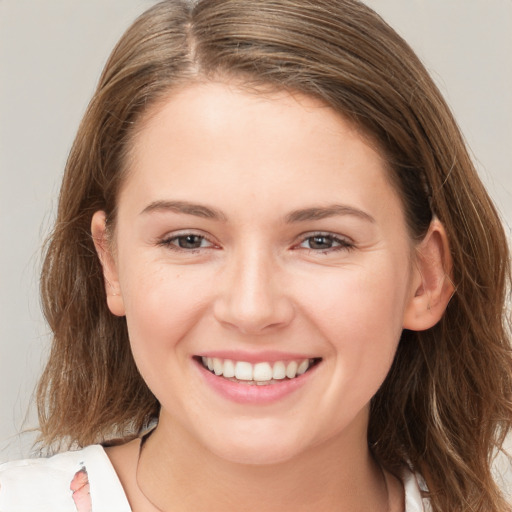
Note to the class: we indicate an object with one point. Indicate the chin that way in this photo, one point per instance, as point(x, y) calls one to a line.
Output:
point(263, 448)
point(257, 456)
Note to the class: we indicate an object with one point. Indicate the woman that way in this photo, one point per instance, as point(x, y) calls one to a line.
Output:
point(271, 244)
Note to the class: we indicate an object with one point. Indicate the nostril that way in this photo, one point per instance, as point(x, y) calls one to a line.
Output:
point(253, 317)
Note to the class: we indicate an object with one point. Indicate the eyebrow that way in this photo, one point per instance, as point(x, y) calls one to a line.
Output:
point(318, 213)
point(301, 215)
point(185, 207)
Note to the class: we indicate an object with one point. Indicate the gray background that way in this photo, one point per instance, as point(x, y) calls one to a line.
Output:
point(51, 54)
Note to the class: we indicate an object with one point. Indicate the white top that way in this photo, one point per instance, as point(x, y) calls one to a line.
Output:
point(44, 485)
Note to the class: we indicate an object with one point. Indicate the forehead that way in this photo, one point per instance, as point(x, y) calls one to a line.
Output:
point(205, 105)
point(220, 137)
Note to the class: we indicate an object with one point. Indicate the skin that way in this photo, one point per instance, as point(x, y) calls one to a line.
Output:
point(258, 283)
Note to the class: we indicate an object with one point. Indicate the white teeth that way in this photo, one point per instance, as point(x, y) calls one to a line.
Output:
point(243, 370)
point(291, 369)
point(262, 372)
point(259, 373)
point(218, 366)
point(303, 367)
point(229, 368)
point(279, 371)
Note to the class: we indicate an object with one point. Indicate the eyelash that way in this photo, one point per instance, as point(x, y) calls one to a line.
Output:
point(343, 244)
point(340, 243)
point(169, 242)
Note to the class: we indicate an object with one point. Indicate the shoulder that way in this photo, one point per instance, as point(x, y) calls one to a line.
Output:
point(45, 484)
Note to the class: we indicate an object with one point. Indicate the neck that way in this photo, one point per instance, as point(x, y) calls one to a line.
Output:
point(337, 475)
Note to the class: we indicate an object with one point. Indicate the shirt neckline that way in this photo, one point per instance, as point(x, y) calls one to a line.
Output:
point(107, 490)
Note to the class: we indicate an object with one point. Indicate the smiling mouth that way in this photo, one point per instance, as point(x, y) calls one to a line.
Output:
point(259, 374)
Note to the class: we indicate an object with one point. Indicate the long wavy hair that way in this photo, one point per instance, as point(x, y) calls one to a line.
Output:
point(446, 404)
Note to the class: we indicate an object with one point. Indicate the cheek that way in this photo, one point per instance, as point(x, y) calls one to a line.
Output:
point(358, 302)
point(162, 307)
point(359, 312)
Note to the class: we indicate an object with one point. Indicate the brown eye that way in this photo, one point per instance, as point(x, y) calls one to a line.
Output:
point(189, 241)
point(186, 242)
point(320, 242)
point(325, 242)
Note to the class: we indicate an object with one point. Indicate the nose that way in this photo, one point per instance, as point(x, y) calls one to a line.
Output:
point(251, 295)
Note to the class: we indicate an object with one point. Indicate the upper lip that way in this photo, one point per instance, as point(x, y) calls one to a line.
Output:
point(268, 356)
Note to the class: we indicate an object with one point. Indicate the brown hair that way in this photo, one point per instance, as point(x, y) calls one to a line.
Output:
point(446, 404)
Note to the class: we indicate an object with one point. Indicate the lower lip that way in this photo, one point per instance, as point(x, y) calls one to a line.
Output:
point(252, 393)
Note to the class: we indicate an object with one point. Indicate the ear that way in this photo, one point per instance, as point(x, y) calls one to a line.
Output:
point(432, 284)
point(110, 275)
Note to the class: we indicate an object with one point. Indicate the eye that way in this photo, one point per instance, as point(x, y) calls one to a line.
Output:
point(187, 241)
point(323, 242)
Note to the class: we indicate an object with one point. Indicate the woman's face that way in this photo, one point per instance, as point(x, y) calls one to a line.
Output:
point(260, 234)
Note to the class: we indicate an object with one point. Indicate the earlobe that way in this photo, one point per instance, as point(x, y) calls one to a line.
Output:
point(432, 283)
point(110, 275)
